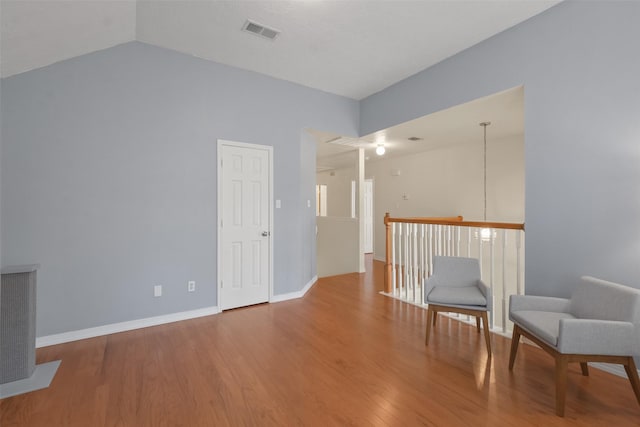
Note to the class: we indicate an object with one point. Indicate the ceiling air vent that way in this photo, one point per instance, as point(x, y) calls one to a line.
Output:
point(414, 138)
point(347, 142)
point(260, 30)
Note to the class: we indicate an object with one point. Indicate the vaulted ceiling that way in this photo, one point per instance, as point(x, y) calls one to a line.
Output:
point(350, 48)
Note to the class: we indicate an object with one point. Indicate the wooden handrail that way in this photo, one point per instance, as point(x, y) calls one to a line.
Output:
point(425, 220)
point(456, 221)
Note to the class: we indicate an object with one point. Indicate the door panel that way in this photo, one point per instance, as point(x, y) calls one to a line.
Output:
point(245, 226)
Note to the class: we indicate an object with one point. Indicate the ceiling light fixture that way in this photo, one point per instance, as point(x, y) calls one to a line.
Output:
point(380, 150)
point(485, 233)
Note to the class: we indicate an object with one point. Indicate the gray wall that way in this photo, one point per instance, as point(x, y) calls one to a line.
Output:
point(1, 264)
point(580, 66)
point(109, 178)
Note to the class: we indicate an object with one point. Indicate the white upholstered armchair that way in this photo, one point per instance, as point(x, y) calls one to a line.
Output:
point(600, 323)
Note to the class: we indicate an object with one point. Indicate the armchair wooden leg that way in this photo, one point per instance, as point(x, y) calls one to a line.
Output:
point(478, 324)
point(561, 383)
point(585, 368)
point(435, 317)
point(487, 334)
point(430, 318)
point(515, 340)
point(632, 373)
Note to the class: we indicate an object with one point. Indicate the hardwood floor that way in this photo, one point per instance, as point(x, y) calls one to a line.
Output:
point(343, 355)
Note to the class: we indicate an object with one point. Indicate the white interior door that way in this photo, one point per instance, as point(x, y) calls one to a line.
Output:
point(368, 216)
point(244, 212)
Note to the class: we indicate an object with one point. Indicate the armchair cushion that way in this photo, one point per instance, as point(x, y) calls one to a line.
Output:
point(468, 295)
point(543, 324)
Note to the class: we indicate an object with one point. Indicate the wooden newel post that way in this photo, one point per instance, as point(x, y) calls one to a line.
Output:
point(388, 268)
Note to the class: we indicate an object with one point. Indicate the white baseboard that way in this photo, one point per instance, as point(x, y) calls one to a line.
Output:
point(617, 370)
point(379, 258)
point(114, 328)
point(612, 369)
point(297, 294)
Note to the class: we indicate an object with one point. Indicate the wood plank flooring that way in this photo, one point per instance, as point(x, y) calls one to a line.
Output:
point(343, 355)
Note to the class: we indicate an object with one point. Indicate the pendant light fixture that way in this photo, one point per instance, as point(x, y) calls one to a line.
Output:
point(485, 233)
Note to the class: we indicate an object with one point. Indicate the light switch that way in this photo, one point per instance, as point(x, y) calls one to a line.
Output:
point(278, 204)
point(308, 203)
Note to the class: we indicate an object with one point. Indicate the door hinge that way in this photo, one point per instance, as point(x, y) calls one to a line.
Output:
point(221, 283)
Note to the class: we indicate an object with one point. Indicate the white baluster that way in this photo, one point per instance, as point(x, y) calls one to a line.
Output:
point(491, 276)
point(518, 262)
point(504, 280)
point(430, 248)
point(422, 262)
point(410, 260)
point(393, 257)
point(407, 261)
point(409, 265)
point(400, 259)
point(416, 263)
point(445, 240)
point(479, 235)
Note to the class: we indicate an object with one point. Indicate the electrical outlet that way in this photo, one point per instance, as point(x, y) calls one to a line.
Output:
point(191, 286)
point(157, 291)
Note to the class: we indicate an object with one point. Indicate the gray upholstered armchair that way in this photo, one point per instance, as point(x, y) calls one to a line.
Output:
point(455, 286)
point(600, 323)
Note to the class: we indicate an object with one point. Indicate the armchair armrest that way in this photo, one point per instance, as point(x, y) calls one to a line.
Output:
point(486, 291)
point(535, 303)
point(590, 336)
point(430, 283)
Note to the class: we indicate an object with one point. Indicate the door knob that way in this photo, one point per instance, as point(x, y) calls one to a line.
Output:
point(265, 233)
